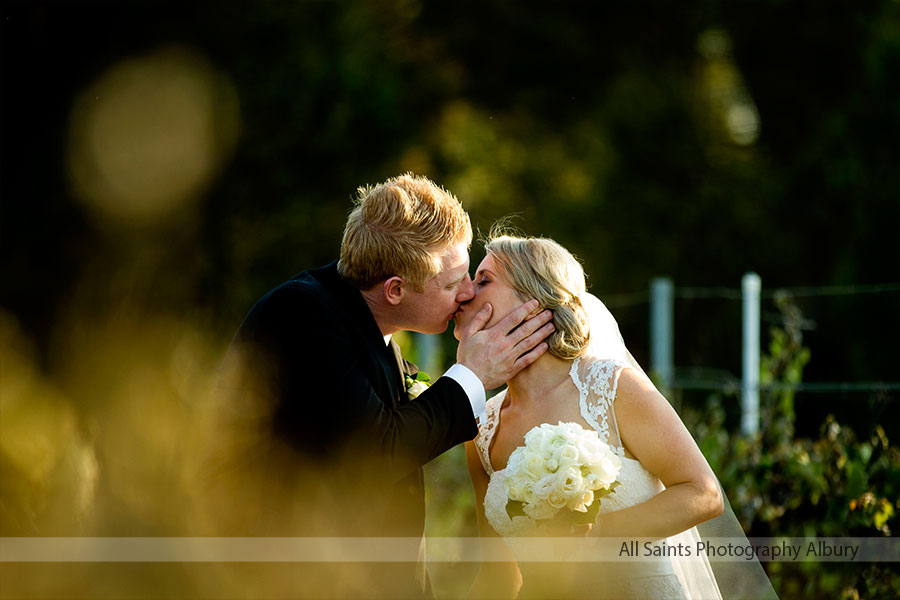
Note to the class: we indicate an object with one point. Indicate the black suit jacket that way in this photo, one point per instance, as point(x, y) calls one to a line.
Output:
point(326, 399)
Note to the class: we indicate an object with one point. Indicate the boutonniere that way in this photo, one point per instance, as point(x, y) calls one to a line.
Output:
point(416, 384)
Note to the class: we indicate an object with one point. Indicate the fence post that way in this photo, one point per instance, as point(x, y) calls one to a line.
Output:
point(661, 338)
point(428, 353)
point(751, 286)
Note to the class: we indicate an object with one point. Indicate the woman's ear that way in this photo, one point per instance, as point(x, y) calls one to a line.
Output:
point(393, 289)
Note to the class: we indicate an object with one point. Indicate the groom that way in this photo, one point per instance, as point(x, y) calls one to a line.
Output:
point(326, 385)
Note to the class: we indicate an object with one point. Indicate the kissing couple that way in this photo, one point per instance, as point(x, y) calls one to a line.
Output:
point(333, 444)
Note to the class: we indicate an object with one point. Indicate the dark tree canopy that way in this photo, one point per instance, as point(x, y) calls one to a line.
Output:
point(694, 140)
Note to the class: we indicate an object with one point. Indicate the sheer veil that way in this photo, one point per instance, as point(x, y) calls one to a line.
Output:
point(700, 579)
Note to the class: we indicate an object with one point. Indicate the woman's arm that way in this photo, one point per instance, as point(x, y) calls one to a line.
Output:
point(653, 432)
point(499, 575)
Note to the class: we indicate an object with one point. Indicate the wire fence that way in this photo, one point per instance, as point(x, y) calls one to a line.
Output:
point(725, 382)
point(630, 299)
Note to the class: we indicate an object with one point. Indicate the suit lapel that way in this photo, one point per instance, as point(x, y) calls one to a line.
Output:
point(401, 369)
point(390, 354)
point(388, 382)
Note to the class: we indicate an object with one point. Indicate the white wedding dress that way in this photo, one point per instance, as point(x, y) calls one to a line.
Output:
point(596, 380)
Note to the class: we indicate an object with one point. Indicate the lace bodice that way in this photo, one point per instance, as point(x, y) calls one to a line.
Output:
point(596, 381)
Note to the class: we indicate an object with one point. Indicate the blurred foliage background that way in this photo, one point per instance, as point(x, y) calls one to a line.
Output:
point(166, 163)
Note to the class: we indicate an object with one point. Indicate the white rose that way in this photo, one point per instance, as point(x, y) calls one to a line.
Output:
point(575, 429)
point(515, 487)
point(607, 469)
point(581, 503)
point(592, 482)
point(555, 486)
point(415, 389)
point(571, 482)
point(534, 438)
point(545, 486)
point(534, 466)
point(514, 463)
point(556, 441)
point(527, 492)
point(616, 462)
point(567, 455)
point(539, 510)
point(514, 493)
point(605, 477)
point(557, 500)
point(590, 445)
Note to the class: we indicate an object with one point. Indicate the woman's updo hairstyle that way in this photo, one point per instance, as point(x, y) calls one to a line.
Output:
point(540, 268)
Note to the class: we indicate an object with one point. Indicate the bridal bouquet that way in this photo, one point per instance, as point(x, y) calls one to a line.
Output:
point(560, 467)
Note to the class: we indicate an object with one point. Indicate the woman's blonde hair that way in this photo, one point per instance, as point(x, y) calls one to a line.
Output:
point(401, 227)
point(540, 268)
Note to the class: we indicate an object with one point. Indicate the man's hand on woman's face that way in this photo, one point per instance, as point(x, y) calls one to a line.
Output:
point(498, 353)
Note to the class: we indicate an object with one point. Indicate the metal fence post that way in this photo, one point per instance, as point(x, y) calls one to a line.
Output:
point(429, 353)
point(661, 338)
point(751, 286)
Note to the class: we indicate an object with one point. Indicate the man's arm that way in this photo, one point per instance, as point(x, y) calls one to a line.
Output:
point(322, 398)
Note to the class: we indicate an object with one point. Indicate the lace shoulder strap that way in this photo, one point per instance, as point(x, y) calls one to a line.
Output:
point(487, 429)
point(597, 381)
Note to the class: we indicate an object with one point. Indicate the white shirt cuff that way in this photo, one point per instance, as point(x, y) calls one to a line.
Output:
point(472, 386)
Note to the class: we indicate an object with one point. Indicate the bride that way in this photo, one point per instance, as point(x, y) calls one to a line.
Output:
point(589, 378)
